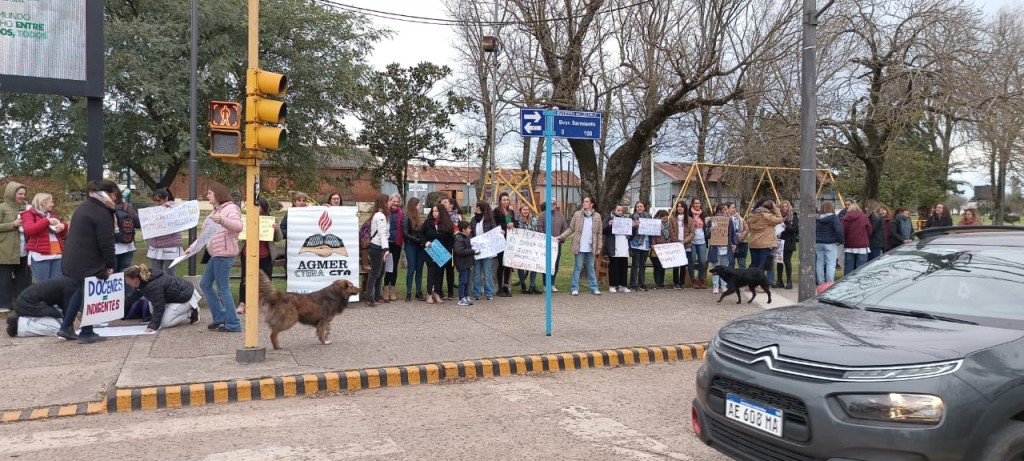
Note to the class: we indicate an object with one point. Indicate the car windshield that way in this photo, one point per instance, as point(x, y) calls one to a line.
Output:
point(981, 284)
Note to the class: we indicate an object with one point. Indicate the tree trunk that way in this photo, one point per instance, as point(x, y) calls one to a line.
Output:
point(873, 168)
point(646, 179)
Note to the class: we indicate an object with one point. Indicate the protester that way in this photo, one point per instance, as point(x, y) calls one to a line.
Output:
point(970, 218)
point(395, 243)
point(452, 207)
point(89, 252)
point(557, 228)
point(587, 242)
point(438, 227)
point(483, 277)
point(639, 249)
point(616, 246)
point(790, 235)
point(412, 221)
point(506, 219)
point(334, 199)
point(172, 300)
point(44, 238)
point(939, 218)
point(380, 229)
point(14, 272)
point(124, 233)
point(299, 200)
point(223, 248)
point(526, 221)
point(886, 214)
point(267, 254)
point(762, 222)
point(699, 246)
point(828, 232)
point(721, 255)
point(856, 238)
point(664, 237)
point(39, 309)
point(876, 241)
point(902, 229)
point(463, 253)
point(740, 259)
point(165, 248)
point(681, 230)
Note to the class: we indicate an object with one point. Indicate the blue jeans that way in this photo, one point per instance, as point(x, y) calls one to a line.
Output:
point(482, 268)
point(853, 261)
point(825, 262)
point(46, 270)
point(699, 263)
point(414, 258)
point(124, 260)
point(464, 275)
point(584, 261)
point(875, 252)
point(757, 257)
point(741, 255)
point(222, 305)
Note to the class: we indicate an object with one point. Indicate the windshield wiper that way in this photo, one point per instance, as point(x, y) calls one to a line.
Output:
point(920, 315)
point(837, 303)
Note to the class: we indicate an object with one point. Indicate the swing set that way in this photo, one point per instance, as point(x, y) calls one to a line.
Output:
point(696, 175)
point(518, 184)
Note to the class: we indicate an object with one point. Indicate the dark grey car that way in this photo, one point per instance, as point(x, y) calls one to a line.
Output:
point(918, 355)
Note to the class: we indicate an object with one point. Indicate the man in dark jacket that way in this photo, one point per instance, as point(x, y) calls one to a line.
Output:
point(89, 252)
point(876, 240)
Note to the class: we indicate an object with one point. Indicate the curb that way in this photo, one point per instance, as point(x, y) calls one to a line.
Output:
point(245, 390)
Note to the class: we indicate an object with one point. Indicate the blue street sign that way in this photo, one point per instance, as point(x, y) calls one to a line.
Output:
point(568, 124)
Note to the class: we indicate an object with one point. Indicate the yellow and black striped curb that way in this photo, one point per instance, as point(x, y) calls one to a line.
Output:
point(245, 390)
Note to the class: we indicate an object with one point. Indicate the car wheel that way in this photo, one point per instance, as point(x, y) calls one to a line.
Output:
point(1006, 445)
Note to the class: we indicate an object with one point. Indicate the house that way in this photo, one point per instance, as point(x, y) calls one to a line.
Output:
point(668, 179)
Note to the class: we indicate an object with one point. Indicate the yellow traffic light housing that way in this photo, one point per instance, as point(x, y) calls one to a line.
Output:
point(225, 129)
point(262, 113)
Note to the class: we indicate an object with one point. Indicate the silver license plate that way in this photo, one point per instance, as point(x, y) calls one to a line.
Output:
point(754, 414)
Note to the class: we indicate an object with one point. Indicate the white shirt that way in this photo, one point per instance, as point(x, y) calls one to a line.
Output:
point(621, 246)
point(380, 231)
point(587, 236)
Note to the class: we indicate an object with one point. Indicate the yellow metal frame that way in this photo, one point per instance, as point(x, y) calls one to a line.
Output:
point(766, 173)
point(515, 180)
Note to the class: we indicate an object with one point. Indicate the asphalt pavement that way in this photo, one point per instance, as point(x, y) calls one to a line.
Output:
point(42, 372)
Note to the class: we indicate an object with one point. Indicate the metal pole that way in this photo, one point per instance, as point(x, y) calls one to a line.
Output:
point(193, 161)
point(808, 154)
point(549, 134)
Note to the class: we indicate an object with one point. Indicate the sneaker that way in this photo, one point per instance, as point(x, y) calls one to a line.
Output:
point(476, 298)
point(554, 289)
point(469, 301)
point(194, 316)
point(490, 298)
point(642, 288)
point(68, 335)
point(225, 329)
point(625, 290)
point(612, 290)
point(4, 310)
point(596, 292)
point(94, 338)
point(462, 302)
point(12, 325)
point(575, 292)
point(715, 291)
point(214, 326)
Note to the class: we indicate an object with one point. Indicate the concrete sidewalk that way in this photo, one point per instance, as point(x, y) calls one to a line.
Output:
point(46, 372)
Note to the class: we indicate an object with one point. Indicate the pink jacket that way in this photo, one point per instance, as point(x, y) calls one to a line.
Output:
point(225, 242)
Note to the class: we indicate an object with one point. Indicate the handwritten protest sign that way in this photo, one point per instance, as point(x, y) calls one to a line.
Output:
point(649, 226)
point(164, 220)
point(438, 253)
point(104, 299)
point(209, 229)
point(622, 226)
point(719, 231)
point(526, 250)
point(490, 243)
point(266, 228)
point(671, 254)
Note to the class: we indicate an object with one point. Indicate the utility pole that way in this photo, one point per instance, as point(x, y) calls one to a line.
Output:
point(193, 162)
point(808, 153)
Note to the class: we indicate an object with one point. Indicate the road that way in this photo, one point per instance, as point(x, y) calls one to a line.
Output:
point(631, 413)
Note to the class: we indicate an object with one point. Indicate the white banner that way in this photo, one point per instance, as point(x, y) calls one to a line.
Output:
point(210, 228)
point(323, 246)
point(649, 226)
point(163, 220)
point(526, 250)
point(622, 226)
point(671, 254)
point(104, 299)
point(490, 243)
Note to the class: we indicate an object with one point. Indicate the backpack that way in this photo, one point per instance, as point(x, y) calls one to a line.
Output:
point(125, 232)
point(364, 235)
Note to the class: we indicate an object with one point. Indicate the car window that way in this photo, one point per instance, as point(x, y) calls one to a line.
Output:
point(983, 284)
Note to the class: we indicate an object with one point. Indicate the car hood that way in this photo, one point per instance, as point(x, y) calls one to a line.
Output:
point(849, 337)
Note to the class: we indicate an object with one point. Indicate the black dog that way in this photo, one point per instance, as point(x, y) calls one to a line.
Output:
point(752, 278)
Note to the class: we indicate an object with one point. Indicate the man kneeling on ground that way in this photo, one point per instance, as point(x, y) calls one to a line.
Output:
point(40, 308)
point(172, 300)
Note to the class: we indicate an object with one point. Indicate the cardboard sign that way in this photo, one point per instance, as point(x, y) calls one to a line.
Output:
point(323, 246)
point(649, 226)
point(210, 228)
point(719, 230)
point(622, 226)
point(266, 228)
point(104, 299)
point(671, 254)
point(163, 220)
point(438, 253)
point(490, 243)
point(526, 250)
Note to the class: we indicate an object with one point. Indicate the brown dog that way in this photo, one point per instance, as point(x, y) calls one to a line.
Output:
point(282, 310)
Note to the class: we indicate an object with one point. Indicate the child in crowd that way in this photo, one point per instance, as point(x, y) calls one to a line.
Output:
point(463, 253)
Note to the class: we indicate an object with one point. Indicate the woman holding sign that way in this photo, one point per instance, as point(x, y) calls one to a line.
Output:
point(587, 241)
point(528, 222)
point(482, 223)
point(223, 249)
point(437, 228)
point(505, 218)
point(616, 246)
point(380, 234)
point(639, 247)
point(165, 248)
point(681, 230)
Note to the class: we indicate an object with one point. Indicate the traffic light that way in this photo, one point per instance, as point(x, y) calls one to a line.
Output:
point(261, 113)
point(225, 129)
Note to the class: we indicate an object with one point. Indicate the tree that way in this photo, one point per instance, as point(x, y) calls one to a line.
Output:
point(403, 122)
point(146, 125)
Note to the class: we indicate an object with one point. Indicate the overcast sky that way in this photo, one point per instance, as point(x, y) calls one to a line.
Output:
point(413, 43)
